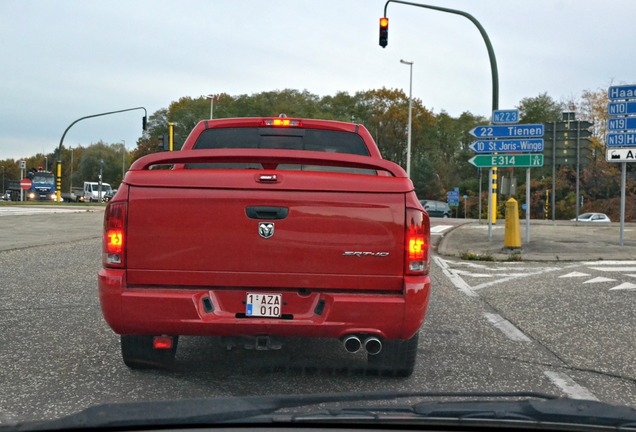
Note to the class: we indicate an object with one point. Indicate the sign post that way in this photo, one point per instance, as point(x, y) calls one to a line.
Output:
point(623, 127)
point(506, 144)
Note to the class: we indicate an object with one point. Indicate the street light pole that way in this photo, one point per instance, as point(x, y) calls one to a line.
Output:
point(123, 154)
point(211, 97)
point(408, 145)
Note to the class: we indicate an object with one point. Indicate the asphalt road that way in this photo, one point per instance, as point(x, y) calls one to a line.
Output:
point(491, 327)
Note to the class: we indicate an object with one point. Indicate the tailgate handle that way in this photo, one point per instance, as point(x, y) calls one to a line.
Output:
point(270, 213)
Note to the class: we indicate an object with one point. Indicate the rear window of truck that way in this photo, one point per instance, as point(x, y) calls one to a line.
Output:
point(288, 139)
point(284, 139)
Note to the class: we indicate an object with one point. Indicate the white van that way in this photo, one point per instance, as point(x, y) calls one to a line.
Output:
point(91, 191)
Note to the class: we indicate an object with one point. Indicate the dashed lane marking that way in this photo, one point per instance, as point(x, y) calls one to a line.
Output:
point(569, 386)
point(506, 327)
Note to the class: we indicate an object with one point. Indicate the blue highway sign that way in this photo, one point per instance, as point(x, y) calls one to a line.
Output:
point(508, 131)
point(505, 116)
point(622, 92)
point(532, 145)
point(627, 139)
point(621, 123)
point(621, 108)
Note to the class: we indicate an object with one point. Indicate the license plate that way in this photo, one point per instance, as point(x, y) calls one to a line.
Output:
point(263, 305)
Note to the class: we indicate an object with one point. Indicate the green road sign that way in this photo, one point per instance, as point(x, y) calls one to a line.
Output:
point(508, 160)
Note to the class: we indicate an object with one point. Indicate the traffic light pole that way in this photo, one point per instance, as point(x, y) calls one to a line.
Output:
point(58, 185)
point(492, 196)
point(484, 35)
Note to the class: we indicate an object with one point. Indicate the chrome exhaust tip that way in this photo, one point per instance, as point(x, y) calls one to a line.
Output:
point(352, 344)
point(373, 345)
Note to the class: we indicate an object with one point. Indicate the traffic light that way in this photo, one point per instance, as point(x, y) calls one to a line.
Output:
point(384, 31)
point(164, 143)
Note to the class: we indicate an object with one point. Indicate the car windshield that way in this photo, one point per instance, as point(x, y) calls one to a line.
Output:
point(356, 211)
point(43, 179)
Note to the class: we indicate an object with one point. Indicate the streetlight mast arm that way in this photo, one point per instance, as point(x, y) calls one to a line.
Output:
point(482, 31)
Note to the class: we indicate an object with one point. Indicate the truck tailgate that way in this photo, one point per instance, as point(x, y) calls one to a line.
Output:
point(224, 228)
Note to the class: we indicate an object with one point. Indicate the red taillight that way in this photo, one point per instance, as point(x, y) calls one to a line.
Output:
point(114, 240)
point(417, 242)
point(162, 342)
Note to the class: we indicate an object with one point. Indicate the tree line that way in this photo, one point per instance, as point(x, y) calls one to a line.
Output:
point(440, 152)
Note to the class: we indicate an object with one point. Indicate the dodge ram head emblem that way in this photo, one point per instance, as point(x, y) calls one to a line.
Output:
point(266, 229)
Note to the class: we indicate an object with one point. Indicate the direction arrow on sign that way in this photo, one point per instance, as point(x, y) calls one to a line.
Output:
point(508, 160)
point(534, 145)
point(621, 123)
point(620, 139)
point(25, 183)
point(621, 154)
point(621, 108)
point(508, 131)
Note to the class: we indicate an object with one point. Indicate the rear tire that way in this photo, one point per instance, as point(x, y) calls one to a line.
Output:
point(397, 357)
point(139, 353)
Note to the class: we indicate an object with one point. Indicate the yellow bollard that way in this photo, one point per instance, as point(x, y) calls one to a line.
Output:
point(512, 233)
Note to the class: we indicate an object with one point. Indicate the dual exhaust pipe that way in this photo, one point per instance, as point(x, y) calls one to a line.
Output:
point(372, 345)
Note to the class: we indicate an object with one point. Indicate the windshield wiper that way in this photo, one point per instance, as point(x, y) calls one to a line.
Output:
point(513, 408)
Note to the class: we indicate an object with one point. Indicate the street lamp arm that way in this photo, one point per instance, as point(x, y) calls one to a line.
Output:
point(484, 35)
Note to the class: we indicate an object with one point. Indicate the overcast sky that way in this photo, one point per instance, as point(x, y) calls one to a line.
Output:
point(62, 60)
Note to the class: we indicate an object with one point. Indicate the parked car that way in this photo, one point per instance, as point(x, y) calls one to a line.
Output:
point(109, 195)
point(592, 217)
point(437, 208)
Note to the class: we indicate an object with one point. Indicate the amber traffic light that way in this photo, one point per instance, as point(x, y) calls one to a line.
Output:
point(384, 31)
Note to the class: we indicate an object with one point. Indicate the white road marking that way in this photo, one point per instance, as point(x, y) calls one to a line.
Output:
point(599, 280)
point(454, 278)
point(624, 286)
point(25, 211)
point(616, 269)
point(607, 263)
point(506, 327)
point(486, 267)
point(471, 274)
point(569, 386)
point(440, 228)
point(574, 274)
point(507, 279)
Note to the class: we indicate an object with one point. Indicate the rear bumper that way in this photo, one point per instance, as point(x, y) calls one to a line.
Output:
point(210, 312)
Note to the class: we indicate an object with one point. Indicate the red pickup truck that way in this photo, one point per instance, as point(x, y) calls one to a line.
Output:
point(261, 229)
